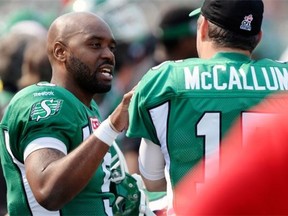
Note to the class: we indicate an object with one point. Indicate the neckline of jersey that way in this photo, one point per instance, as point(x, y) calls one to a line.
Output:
point(232, 56)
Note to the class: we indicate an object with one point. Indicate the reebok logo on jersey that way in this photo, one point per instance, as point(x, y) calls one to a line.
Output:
point(44, 109)
point(45, 93)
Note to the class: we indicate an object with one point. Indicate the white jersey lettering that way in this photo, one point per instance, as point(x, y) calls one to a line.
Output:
point(237, 79)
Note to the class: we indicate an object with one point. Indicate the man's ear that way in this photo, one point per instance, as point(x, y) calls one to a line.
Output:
point(203, 28)
point(60, 51)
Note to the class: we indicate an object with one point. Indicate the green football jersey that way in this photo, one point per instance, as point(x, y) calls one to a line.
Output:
point(50, 114)
point(188, 106)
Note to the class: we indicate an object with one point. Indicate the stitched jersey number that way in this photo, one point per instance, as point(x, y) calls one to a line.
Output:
point(209, 127)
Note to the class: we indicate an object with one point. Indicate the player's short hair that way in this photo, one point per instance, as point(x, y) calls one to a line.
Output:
point(226, 38)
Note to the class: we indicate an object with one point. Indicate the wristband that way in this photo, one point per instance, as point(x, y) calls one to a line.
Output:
point(106, 133)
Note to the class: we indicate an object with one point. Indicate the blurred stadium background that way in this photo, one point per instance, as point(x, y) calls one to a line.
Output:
point(133, 19)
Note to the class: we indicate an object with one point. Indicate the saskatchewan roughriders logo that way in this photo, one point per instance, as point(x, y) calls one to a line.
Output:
point(45, 108)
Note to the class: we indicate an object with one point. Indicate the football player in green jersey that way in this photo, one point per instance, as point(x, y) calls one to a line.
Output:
point(55, 151)
point(182, 109)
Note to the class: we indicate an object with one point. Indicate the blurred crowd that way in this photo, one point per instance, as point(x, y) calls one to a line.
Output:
point(147, 33)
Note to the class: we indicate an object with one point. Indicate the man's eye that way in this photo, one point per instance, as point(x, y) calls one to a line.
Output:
point(96, 45)
point(113, 49)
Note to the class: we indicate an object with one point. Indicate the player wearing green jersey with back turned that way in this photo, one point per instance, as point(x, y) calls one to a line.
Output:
point(182, 109)
point(55, 152)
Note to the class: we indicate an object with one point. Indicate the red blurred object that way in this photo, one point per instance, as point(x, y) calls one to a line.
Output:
point(252, 180)
point(66, 2)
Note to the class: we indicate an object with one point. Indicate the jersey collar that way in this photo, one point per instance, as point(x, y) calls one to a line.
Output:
point(232, 56)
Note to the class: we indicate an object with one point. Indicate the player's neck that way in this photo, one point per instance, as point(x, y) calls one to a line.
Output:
point(84, 96)
point(210, 52)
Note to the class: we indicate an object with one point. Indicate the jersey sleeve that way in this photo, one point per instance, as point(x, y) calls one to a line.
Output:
point(35, 116)
point(151, 91)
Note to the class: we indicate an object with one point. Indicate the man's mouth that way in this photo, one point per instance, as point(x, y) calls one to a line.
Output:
point(107, 71)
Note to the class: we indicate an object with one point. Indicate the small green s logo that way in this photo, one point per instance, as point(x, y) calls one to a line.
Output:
point(45, 108)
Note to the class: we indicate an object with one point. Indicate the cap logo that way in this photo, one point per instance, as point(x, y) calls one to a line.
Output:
point(246, 23)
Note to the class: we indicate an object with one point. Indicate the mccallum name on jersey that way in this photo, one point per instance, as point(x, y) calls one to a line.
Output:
point(258, 79)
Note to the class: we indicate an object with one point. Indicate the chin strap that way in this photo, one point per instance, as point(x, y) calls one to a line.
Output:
point(144, 207)
point(120, 162)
